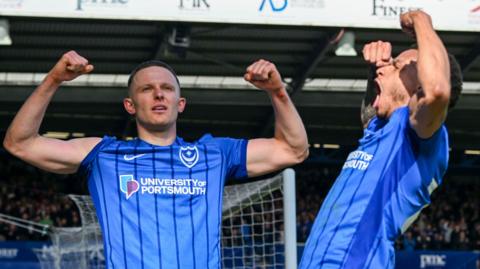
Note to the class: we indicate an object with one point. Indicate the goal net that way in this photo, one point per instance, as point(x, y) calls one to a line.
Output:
point(76, 247)
point(258, 229)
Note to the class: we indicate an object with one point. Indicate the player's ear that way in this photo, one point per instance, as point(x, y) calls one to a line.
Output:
point(182, 102)
point(129, 105)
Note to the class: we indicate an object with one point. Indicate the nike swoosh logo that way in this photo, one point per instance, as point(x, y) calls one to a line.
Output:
point(132, 157)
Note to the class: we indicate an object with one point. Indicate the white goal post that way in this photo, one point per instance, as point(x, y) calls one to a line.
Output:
point(259, 223)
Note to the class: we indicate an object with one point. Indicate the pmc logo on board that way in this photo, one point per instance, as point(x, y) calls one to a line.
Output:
point(100, 3)
point(433, 261)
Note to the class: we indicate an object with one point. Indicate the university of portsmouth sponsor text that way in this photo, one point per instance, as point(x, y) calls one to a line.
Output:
point(175, 186)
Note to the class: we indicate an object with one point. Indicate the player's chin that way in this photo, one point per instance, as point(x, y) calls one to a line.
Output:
point(165, 121)
point(157, 126)
point(380, 114)
point(161, 121)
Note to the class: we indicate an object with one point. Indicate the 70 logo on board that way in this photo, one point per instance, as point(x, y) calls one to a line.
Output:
point(275, 5)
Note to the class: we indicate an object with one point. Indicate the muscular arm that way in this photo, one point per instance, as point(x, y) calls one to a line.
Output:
point(428, 106)
point(289, 145)
point(22, 138)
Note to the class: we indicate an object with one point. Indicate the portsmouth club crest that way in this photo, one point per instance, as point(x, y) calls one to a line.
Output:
point(189, 156)
point(128, 185)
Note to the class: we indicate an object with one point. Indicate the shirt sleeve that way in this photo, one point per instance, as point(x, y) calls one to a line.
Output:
point(432, 153)
point(235, 152)
point(86, 164)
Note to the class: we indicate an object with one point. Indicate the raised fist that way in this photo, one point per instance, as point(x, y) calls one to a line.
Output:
point(69, 67)
point(264, 75)
point(378, 53)
point(408, 19)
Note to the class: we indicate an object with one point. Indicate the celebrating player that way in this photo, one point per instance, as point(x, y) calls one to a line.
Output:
point(400, 160)
point(158, 198)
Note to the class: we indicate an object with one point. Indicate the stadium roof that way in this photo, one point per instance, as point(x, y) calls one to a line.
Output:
point(211, 59)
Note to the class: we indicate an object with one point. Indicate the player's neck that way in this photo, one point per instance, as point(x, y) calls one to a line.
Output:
point(394, 108)
point(159, 138)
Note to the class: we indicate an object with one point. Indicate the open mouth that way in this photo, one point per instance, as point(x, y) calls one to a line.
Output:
point(378, 90)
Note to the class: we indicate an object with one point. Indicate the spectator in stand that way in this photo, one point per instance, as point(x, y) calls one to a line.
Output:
point(476, 237)
point(409, 241)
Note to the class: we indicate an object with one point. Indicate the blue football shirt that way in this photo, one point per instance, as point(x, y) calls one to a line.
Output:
point(382, 187)
point(161, 206)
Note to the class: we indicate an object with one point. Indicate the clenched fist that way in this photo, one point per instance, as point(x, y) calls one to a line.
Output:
point(378, 53)
point(264, 75)
point(69, 67)
point(408, 20)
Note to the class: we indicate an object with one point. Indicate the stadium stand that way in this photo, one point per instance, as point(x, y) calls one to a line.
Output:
point(452, 222)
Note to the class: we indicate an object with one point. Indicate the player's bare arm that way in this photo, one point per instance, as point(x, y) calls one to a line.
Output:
point(289, 145)
point(428, 106)
point(22, 138)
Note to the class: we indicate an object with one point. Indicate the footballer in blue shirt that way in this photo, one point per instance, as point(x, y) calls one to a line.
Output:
point(401, 157)
point(158, 198)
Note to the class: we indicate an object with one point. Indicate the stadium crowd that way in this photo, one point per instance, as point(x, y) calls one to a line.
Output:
point(33, 196)
point(451, 222)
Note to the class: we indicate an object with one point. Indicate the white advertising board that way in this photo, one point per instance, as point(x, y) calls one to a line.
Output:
point(448, 15)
